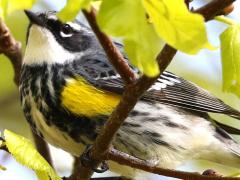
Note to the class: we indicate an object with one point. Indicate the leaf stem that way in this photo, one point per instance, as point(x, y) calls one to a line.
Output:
point(225, 20)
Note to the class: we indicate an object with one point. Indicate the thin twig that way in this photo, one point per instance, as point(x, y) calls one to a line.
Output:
point(126, 159)
point(134, 91)
point(213, 8)
point(3, 145)
point(114, 56)
point(12, 49)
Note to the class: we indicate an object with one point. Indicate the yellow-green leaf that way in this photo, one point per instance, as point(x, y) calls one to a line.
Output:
point(230, 46)
point(3, 8)
point(127, 19)
point(72, 8)
point(176, 25)
point(25, 153)
point(9, 6)
point(14, 5)
point(120, 17)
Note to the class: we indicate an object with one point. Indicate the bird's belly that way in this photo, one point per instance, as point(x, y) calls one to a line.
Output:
point(143, 141)
point(55, 136)
point(153, 133)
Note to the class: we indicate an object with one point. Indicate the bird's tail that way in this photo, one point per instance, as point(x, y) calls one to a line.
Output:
point(227, 151)
point(233, 158)
point(227, 128)
point(233, 113)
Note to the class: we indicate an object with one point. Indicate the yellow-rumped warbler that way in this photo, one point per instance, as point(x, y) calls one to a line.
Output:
point(68, 90)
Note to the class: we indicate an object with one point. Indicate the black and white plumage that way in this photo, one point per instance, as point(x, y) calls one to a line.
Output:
point(168, 126)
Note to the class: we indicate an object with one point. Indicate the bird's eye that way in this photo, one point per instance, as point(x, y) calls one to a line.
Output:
point(66, 30)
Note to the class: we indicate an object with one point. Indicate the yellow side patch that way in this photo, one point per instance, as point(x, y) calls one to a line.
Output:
point(81, 98)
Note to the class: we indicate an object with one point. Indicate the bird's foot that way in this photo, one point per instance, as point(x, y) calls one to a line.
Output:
point(87, 161)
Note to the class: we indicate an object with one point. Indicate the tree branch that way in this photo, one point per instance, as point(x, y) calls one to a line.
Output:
point(12, 49)
point(133, 91)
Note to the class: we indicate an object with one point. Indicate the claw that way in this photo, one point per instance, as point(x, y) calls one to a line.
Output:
point(86, 161)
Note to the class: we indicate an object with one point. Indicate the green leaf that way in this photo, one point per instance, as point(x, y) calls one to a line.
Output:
point(230, 46)
point(25, 153)
point(72, 8)
point(127, 19)
point(9, 6)
point(176, 25)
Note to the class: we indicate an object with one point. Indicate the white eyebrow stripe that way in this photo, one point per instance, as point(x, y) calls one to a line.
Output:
point(75, 26)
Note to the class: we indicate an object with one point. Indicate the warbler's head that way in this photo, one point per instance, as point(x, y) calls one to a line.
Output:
point(50, 41)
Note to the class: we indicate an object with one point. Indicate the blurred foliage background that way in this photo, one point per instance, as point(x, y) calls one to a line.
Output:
point(204, 69)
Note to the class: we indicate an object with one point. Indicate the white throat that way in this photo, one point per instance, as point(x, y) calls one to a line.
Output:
point(42, 47)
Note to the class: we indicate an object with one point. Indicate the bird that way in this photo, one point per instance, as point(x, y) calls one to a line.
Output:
point(68, 89)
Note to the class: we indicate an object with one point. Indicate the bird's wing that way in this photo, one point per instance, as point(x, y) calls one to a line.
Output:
point(169, 88)
point(173, 90)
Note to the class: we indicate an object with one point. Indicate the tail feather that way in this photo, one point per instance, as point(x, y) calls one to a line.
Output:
point(235, 148)
point(233, 113)
point(232, 144)
point(227, 128)
point(228, 151)
point(236, 116)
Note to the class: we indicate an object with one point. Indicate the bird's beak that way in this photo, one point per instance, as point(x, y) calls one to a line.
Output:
point(34, 18)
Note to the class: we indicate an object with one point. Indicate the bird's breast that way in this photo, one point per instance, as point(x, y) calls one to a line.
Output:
point(81, 98)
